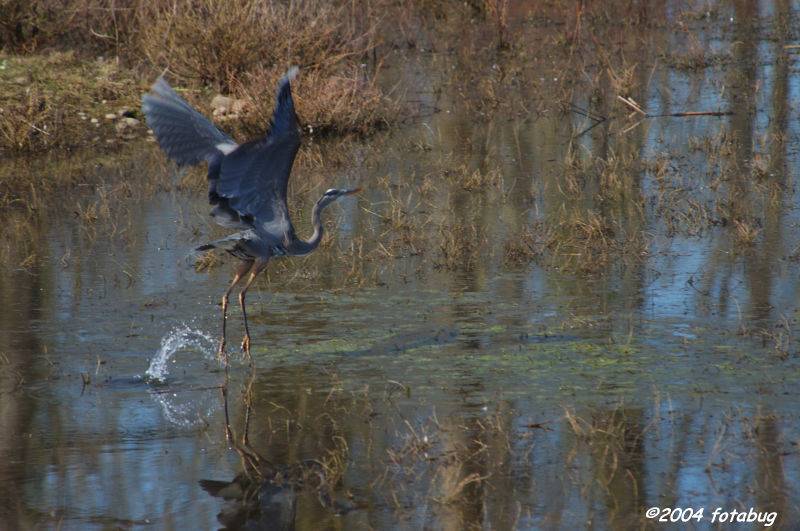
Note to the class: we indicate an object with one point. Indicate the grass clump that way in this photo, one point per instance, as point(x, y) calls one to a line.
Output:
point(242, 48)
point(696, 60)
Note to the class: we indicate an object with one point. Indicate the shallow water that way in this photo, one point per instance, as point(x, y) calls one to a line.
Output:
point(457, 387)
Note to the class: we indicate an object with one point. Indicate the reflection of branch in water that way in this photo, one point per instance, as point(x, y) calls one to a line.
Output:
point(596, 118)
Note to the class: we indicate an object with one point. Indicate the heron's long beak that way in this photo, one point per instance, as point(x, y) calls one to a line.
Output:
point(352, 191)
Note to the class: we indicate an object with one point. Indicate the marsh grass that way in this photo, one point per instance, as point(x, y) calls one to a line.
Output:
point(479, 179)
point(526, 246)
point(746, 232)
point(589, 242)
point(459, 247)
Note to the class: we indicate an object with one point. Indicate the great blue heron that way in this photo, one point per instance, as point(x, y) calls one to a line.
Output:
point(247, 182)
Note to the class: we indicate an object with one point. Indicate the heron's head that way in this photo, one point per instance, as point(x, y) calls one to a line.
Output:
point(333, 194)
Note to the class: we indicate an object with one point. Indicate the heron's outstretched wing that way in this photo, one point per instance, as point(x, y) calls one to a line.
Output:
point(183, 133)
point(254, 177)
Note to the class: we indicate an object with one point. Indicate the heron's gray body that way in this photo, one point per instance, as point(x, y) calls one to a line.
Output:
point(247, 183)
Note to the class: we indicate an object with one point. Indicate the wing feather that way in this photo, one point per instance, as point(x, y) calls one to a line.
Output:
point(183, 133)
point(255, 176)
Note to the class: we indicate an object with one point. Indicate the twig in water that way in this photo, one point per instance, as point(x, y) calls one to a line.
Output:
point(632, 104)
point(167, 391)
point(691, 113)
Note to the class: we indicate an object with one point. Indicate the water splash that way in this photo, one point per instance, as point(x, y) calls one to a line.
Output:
point(190, 350)
point(183, 340)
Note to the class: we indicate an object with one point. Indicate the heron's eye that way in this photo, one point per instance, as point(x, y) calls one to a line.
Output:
point(332, 192)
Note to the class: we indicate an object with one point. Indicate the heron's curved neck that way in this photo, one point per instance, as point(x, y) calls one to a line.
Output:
point(302, 247)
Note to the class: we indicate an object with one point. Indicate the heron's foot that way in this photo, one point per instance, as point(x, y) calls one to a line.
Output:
point(246, 344)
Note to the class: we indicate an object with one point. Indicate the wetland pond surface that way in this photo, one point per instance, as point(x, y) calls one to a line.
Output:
point(515, 325)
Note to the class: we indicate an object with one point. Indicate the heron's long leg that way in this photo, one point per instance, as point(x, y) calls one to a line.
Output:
point(242, 270)
point(257, 267)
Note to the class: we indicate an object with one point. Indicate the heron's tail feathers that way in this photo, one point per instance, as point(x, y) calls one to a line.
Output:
point(228, 243)
point(196, 256)
point(224, 244)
